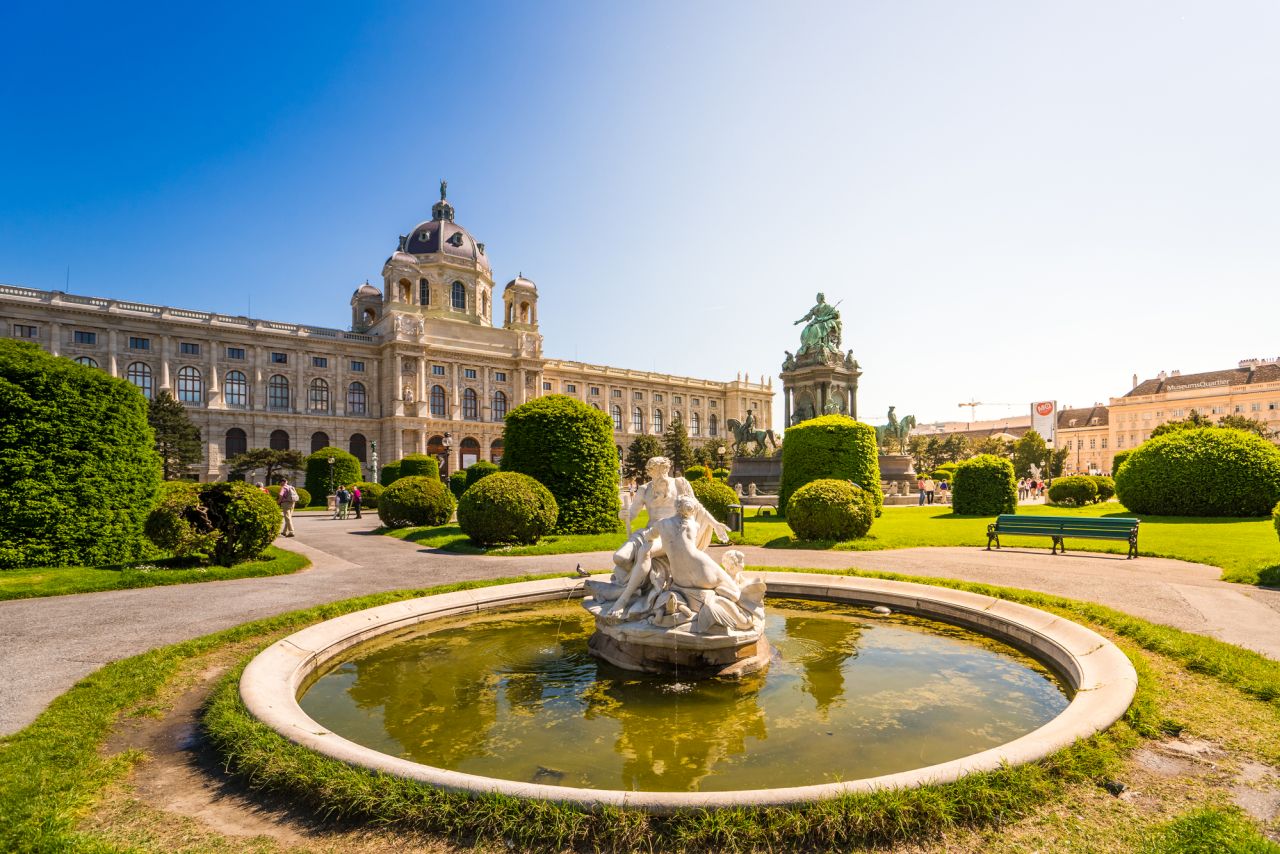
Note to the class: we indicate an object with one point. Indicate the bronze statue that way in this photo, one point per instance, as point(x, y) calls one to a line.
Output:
point(745, 432)
point(895, 432)
point(821, 334)
point(444, 188)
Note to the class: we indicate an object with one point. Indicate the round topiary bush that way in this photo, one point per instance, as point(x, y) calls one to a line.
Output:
point(568, 447)
point(831, 447)
point(78, 465)
point(693, 473)
point(1118, 460)
point(369, 493)
point(418, 465)
point(415, 501)
point(304, 497)
point(346, 469)
point(984, 486)
point(390, 473)
point(715, 496)
point(479, 469)
point(458, 483)
point(1106, 486)
point(721, 474)
point(246, 518)
point(178, 523)
point(1075, 490)
point(943, 474)
point(1211, 471)
point(507, 507)
point(829, 509)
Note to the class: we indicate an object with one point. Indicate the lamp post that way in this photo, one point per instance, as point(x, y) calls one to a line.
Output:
point(331, 462)
point(448, 450)
point(720, 451)
point(373, 456)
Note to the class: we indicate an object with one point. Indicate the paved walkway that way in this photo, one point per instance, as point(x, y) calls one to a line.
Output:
point(46, 645)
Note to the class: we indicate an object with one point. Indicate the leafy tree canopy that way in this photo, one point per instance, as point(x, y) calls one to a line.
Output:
point(275, 462)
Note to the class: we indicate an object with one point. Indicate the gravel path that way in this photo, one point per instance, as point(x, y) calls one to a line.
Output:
point(49, 644)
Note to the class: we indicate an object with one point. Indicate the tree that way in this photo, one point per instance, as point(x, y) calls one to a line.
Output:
point(638, 455)
point(1030, 450)
point(1058, 461)
point(708, 454)
point(1249, 425)
point(177, 438)
point(955, 448)
point(266, 458)
point(1191, 422)
point(991, 445)
point(675, 444)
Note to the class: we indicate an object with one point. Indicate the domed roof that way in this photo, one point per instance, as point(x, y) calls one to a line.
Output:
point(440, 235)
point(519, 281)
point(367, 290)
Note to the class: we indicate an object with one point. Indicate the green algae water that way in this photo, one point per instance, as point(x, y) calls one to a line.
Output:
point(514, 694)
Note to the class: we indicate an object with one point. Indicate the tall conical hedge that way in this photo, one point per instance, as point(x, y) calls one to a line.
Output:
point(832, 447)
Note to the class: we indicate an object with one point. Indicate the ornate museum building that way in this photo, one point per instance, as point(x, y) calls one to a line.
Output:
point(424, 360)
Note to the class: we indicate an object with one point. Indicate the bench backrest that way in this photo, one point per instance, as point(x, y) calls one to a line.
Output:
point(1065, 525)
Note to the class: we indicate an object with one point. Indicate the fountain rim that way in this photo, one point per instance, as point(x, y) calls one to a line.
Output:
point(1102, 677)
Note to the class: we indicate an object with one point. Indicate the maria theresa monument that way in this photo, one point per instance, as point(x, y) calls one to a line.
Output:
point(432, 361)
point(820, 379)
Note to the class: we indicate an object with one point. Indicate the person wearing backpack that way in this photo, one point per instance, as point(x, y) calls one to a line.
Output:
point(356, 500)
point(344, 500)
point(288, 500)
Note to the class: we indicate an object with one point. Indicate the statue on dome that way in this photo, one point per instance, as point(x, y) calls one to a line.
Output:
point(821, 334)
point(444, 188)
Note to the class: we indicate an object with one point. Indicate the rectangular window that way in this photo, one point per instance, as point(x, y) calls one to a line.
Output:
point(1093, 444)
point(1255, 407)
point(437, 370)
point(280, 358)
point(546, 386)
point(1079, 444)
point(499, 376)
point(570, 388)
point(1104, 443)
point(235, 353)
point(1218, 410)
point(657, 398)
point(697, 401)
point(469, 373)
point(617, 392)
point(357, 367)
point(319, 361)
point(1120, 441)
point(595, 391)
point(677, 399)
point(188, 348)
point(21, 331)
point(1239, 408)
point(85, 337)
point(139, 343)
point(639, 395)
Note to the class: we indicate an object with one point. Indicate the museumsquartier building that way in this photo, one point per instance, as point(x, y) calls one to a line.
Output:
point(424, 359)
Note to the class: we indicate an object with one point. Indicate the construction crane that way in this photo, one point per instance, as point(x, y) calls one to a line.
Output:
point(974, 404)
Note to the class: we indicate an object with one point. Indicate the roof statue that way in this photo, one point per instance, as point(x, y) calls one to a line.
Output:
point(444, 188)
point(821, 334)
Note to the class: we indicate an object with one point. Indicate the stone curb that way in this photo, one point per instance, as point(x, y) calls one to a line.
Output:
point(1099, 673)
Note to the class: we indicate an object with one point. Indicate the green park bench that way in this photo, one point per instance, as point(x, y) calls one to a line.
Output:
point(1058, 527)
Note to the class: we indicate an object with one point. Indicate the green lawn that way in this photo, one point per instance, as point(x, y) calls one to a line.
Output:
point(1247, 550)
point(451, 539)
point(59, 581)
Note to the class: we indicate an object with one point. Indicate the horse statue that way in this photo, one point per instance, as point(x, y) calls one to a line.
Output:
point(745, 432)
point(895, 432)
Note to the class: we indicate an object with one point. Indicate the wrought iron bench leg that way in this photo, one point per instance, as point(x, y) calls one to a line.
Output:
point(1133, 548)
point(1057, 542)
point(992, 535)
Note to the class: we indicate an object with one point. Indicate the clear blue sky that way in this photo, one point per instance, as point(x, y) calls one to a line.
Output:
point(1014, 200)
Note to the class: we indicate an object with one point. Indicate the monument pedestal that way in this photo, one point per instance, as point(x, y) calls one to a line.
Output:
point(654, 650)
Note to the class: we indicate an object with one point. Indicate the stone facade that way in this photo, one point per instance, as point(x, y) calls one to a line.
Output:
point(423, 361)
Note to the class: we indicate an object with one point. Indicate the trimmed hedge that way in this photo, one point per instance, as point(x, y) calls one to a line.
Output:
point(418, 465)
point(693, 473)
point(458, 483)
point(831, 447)
point(715, 496)
point(1207, 471)
point(830, 509)
point(229, 522)
point(943, 474)
point(1275, 518)
point(507, 507)
point(1106, 486)
point(721, 474)
point(415, 501)
point(304, 497)
point(369, 494)
point(78, 465)
point(390, 473)
point(346, 469)
point(567, 446)
point(1076, 490)
point(1118, 460)
point(479, 469)
point(984, 486)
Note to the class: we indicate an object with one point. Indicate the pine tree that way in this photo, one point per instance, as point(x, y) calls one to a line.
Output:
point(266, 458)
point(638, 454)
point(675, 443)
point(177, 438)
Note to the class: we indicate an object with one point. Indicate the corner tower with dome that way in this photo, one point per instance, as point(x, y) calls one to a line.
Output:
point(423, 368)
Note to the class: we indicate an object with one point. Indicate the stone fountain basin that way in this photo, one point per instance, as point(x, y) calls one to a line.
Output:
point(1102, 678)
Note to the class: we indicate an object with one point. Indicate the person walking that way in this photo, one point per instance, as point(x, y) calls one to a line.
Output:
point(930, 487)
point(920, 488)
point(288, 500)
point(945, 488)
point(344, 501)
point(357, 499)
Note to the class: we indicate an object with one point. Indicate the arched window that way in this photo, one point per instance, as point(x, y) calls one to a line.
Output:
point(278, 393)
point(438, 409)
point(86, 361)
point(318, 396)
point(139, 373)
point(524, 312)
point(617, 418)
point(495, 451)
point(235, 391)
point(357, 447)
point(279, 440)
point(484, 306)
point(190, 385)
point(424, 292)
point(470, 405)
point(237, 442)
point(712, 426)
point(499, 406)
point(637, 420)
point(468, 452)
point(406, 290)
point(357, 403)
point(657, 421)
point(435, 446)
point(459, 296)
point(318, 441)
point(695, 424)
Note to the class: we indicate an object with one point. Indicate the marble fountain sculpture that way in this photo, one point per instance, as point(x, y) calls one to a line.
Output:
point(669, 607)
